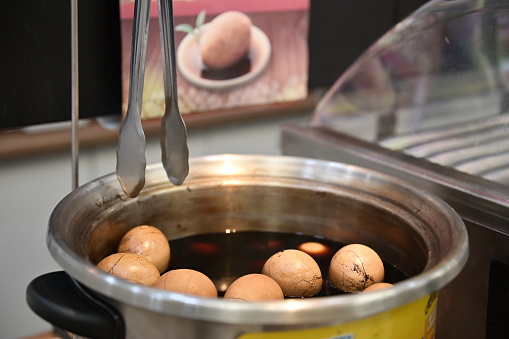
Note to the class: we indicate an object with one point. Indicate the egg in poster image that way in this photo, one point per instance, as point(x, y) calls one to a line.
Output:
point(224, 53)
point(238, 56)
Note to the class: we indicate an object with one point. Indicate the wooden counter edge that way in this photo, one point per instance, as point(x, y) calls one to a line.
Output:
point(18, 143)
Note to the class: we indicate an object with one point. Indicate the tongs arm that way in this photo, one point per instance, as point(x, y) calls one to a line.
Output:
point(175, 153)
point(131, 162)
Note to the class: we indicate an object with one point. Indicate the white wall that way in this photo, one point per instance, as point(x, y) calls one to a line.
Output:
point(31, 187)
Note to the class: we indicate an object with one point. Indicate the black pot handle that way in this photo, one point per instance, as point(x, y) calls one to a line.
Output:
point(65, 303)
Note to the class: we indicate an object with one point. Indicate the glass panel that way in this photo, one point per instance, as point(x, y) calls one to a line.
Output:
point(436, 87)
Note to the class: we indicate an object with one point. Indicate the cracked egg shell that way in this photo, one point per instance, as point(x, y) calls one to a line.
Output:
point(149, 242)
point(355, 267)
point(187, 281)
point(296, 272)
point(254, 287)
point(130, 266)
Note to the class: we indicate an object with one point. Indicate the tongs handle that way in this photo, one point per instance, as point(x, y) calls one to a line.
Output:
point(131, 162)
point(175, 153)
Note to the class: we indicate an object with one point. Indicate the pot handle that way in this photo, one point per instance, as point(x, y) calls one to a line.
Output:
point(62, 301)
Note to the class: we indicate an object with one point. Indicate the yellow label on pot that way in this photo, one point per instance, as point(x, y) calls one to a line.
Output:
point(415, 320)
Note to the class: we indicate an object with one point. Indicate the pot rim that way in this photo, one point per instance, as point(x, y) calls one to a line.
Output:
point(319, 310)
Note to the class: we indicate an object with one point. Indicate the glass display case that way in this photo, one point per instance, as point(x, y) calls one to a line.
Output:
point(429, 102)
point(435, 87)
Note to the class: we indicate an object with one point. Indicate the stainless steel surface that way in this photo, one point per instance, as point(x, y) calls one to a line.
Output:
point(479, 147)
point(75, 95)
point(455, 187)
point(408, 227)
point(175, 153)
point(131, 160)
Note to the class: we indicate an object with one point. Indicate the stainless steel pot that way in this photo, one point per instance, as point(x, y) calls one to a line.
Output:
point(410, 228)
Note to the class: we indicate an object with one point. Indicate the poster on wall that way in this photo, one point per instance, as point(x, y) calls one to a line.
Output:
point(229, 54)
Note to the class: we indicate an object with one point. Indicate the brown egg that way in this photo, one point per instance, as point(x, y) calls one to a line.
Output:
point(355, 267)
point(377, 286)
point(187, 281)
point(296, 272)
point(254, 287)
point(314, 249)
point(225, 40)
point(130, 266)
point(149, 242)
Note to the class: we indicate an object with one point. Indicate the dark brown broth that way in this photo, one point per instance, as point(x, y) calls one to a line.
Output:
point(224, 257)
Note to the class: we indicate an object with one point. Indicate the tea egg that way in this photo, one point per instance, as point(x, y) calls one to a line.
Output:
point(254, 287)
point(187, 281)
point(314, 249)
point(355, 267)
point(296, 272)
point(149, 242)
point(130, 266)
point(377, 286)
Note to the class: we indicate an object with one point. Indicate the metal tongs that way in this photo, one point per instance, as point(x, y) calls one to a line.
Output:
point(131, 162)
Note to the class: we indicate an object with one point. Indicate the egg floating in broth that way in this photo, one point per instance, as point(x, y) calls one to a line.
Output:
point(149, 242)
point(355, 267)
point(254, 287)
point(296, 272)
point(377, 287)
point(314, 249)
point(199, 262)
point(187, 281)
point(131, 267)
